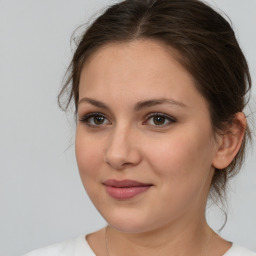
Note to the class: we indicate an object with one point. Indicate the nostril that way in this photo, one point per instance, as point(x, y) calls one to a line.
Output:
point(121, 154)
point(118, 164)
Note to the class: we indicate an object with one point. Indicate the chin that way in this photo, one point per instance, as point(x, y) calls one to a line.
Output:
point(131, 222)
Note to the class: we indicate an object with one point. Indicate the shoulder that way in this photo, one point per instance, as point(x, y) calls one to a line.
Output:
point(237, 250)
point(73, 247)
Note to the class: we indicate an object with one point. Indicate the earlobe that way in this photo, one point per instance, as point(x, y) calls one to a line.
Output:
point(230, 142)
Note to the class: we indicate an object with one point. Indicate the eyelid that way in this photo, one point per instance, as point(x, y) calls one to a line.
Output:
point(86, 117)
point(171, 119)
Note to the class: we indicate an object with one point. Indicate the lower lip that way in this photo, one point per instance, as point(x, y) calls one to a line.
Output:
point(125, 193)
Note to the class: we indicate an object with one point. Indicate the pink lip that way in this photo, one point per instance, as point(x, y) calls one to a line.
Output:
point(125, 189)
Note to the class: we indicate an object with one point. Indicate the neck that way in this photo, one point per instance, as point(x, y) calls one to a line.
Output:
point(190, 238)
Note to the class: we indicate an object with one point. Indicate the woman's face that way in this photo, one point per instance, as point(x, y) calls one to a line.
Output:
point(144, 141)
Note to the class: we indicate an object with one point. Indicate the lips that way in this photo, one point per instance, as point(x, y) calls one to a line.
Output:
point(125, 189)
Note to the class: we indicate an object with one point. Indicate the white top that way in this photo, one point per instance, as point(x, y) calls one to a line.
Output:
point(79, 247)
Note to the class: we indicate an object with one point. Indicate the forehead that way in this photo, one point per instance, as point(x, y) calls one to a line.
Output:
point(137, 47)
point(143, 56)
point(141, 69)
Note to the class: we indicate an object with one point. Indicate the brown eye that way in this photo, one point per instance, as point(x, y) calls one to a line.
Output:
point(95, 120)
point(98, 120)
point(159, 119)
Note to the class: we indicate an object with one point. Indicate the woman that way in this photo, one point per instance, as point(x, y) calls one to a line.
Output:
point(159, 89)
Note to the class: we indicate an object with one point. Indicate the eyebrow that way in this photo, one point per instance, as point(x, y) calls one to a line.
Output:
point(138, 106)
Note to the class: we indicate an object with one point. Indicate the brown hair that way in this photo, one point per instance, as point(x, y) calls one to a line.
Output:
point(208, 48)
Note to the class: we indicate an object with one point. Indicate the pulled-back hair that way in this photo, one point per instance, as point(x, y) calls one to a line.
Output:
point(208, 48)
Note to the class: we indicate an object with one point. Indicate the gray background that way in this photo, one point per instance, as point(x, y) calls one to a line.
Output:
point(42, 200)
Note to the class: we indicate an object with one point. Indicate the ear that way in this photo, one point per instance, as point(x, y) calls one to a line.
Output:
point(230, 142)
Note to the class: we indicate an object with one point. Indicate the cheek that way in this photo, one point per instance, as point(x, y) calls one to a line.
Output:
point(182, 166)
point(185, 156)
point(88, 155)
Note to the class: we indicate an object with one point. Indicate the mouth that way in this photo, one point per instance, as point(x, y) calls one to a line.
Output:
point(125, 189)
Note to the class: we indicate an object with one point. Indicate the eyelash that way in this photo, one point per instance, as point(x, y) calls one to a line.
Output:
point(86, 118)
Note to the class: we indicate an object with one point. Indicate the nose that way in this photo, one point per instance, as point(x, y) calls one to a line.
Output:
point(122, 150)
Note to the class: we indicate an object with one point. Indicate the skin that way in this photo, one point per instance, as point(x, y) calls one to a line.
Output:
point(176, 156)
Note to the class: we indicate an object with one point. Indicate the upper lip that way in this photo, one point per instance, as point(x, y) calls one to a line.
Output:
point(125, 183)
